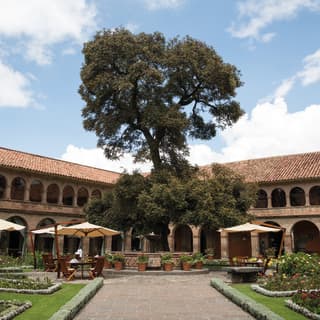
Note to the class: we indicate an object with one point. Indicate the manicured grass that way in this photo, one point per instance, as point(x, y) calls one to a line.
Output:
point(277, 305)
point(44, 305)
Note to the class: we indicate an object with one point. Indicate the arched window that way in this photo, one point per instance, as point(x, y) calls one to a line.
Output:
point(278, 198)
point(68, 195)
point(36, 190)
point(83, 196)
point(3, 185)
point(262, 199)
point(17, 189)
point(96, 194)
point(53, 193)
point(314, 196)
point(297, 197)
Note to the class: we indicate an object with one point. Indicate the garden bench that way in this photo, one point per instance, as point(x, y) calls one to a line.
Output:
point(244, 274)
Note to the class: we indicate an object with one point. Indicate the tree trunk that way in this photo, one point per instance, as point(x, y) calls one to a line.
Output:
point(164, 238)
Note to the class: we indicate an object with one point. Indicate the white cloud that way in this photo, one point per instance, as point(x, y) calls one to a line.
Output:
point(256, 15)
point(309, 75)
point(15, 90)
point(39, 24)
point(163, 4)
point(96, 158)
point(269, 130)
point(133, 27)
point(272, 130)
point(311, 72)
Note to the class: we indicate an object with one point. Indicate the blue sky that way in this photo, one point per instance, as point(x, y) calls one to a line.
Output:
point(274, 43)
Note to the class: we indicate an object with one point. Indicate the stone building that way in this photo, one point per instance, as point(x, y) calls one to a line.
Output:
point(36, 191)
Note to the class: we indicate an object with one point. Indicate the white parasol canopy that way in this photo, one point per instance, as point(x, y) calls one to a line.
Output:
point(87, 229)
point(10, 226)
point(48, 230)
point(250, 227)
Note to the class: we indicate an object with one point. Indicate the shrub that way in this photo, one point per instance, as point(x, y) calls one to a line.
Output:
point(299, 263)
point(142, 258)
point(198, 257)
point(186, 258)
point(308, 299)
point(167, 258)
point(118, 257)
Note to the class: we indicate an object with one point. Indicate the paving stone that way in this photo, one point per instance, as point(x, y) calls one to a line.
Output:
point(173, 297)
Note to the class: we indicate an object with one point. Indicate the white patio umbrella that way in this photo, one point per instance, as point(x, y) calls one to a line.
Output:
point(87, 229)
point(10, 226)
point(250, 227)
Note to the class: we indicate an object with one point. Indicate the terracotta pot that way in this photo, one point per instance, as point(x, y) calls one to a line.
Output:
point(118, 265)
point(142, 266)
point(198, 265)
point(107, 264)
point(168, 266)
point(186, 266)
point(210, 257)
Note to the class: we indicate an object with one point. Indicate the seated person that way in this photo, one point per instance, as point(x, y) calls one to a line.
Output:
point(73, 262)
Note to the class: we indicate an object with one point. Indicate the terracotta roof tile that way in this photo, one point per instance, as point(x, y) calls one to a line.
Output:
point(43, 165)
point(295, 167)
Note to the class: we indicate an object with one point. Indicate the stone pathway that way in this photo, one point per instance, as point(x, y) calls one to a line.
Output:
point(163, 297)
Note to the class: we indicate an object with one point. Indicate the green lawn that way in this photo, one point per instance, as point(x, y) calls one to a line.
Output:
point(43, 305)
point(277, 305)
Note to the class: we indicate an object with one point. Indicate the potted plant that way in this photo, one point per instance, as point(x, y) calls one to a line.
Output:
point(167, 261)
point(198, 260)
point(118, 260)
point(108, 261)
point(209, 253)
point(142, 262)
point(186, 262)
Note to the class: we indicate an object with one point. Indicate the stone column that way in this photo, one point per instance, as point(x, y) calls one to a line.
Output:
point(224, 244)
point(108, 243)
point(85, 246)
point(288, 245)
point(127, 239)
point(26, 196)
point(269, 201)
point(196, 240)
point(254, 244)
point(7, 194)
point(171, 239)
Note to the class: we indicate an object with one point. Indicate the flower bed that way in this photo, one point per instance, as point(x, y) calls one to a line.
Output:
point(306, 303)
point(29, 286)
point(10, 309)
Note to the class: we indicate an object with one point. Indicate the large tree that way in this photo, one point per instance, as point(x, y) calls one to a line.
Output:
point(150, 204)
point(146, 95)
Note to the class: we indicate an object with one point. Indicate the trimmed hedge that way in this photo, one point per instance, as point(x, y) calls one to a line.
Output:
point(257, 310)
point(15, 307)
point(73, 306)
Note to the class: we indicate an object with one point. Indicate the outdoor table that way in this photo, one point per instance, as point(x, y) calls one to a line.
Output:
point(81, 265)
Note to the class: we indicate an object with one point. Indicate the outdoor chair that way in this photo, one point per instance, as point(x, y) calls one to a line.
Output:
point(48, 262)
point(68, 273)
point(98, 268)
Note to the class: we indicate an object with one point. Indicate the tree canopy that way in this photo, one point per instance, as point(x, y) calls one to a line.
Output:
point(146, 95)
point(150, 204)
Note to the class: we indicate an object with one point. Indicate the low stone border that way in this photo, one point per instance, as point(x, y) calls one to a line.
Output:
point(269, 293)
point(257, 310)
point(16, 308)
point(295, 307)
point(50, 290)
point(73, 306)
